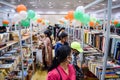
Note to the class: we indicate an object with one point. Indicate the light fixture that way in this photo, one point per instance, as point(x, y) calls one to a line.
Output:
point(79, 1)
point(114, 0)
point(51, 7)
point(102, 4)
point(67, 2)
point(36, 7)
point(49, 2)
point(66, 5)
point(33, 5)
point(31, 2)
point(51, 12)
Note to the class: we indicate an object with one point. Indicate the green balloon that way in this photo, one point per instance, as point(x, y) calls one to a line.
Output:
point(78, 15)
point(98, 21)
point(117, 25)
point(25, 23)
point(86, 19)
point(31, 14)
point(35, 18)
point(93, 19)
point(5, 25)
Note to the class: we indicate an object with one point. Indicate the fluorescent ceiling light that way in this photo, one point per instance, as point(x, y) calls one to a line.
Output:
point(31, 2)
point(33, 5)
point(102, 4)
point(51, 7)
point(63, 12)
point(66, 5)
point(51, 12)
point(79, 1)
point(40, 12)
point(12, 10)
point(67, 2)
point(49, 2)
point(114, 0)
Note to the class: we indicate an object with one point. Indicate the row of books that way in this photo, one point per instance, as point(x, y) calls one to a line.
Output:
point(112, 71)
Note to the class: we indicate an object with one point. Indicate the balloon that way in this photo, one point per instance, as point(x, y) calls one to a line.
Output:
point(31, 14)
point(39, 20)
point(25, 23)
point(20, 8)
point(5, 22)
point(5, 25)
point(117, 25)
point(86, 19)
point(71, 15)
point(98, 21)
point(23, 15)
point(78, 15)
point(66, 17)
point(93, 19)
point(47, 22)
point(36, 17)
point(80, 8)
point(16, 18)
point(91, 23)
point(115, 22)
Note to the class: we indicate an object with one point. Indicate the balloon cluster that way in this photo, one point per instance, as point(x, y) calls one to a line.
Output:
point(116, 23)
point(23, 16)
point(79, 15)
point(5, 22)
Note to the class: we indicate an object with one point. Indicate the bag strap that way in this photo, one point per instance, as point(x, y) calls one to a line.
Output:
point(59, 73)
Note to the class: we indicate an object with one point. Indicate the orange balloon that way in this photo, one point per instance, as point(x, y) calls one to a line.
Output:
point(71, 15)
point(66, 17)
point(39, 20)
point(21, 7)
point(116, 22)
point(5, 22)
point(91, 23)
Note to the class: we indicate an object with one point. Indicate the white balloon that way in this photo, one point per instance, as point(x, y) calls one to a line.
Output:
point(16, 18)
point(23, 15)
point(80, 8)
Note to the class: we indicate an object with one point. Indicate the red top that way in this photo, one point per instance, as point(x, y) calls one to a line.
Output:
point(54, 75)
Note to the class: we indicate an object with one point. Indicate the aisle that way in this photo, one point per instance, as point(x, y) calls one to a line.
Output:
point(40, 75)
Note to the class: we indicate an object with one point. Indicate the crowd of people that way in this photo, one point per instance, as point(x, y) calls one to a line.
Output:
point(65, 64)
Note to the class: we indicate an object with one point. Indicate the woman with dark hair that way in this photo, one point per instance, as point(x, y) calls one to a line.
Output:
point(60, 31)
point(47, 50)
point(63, 41)
point(61, 69)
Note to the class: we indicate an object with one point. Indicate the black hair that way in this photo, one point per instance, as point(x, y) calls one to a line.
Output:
point(62, 35)
point(48, 33)
point(63, 28)
point(60, 57)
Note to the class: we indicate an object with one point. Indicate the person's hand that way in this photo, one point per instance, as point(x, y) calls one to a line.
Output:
point(85, 77)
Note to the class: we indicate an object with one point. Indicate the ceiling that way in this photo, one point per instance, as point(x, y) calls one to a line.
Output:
point(53, 6)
